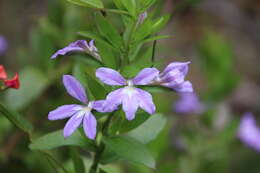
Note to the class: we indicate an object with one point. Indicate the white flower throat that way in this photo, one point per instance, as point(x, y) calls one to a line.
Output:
point(85, 109)
point(129, 89)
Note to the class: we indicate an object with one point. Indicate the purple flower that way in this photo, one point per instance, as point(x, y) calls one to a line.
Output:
point(77, 113)
point(142, 17)
point(79, 46)
point(188, 103)
point(129, 96)
point(248, 131)
point(173, 77)
point(3, 45)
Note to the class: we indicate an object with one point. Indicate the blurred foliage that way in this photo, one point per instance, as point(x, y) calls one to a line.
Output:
point(217, 60)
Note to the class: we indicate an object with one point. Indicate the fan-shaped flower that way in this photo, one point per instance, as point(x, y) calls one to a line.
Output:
point(129, 96)
point(79, 46)
point(77, 113)
point(249, 132)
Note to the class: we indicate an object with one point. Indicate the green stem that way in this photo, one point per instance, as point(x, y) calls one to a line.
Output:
point(101, 146)
point(153, 53)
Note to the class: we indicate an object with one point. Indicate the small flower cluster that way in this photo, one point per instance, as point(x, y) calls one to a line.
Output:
point(9, 83)
point(129, 95)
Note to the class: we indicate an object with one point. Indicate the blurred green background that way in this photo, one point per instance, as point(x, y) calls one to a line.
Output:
point(220, 38)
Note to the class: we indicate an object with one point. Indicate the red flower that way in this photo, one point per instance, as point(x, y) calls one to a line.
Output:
point(3, 74)
point(13, 83)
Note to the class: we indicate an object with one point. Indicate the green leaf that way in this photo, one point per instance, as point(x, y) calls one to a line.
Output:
point(109, 58)
point(55, 139)
point(88, 60)
point(118, 4)
point(130, 150)
point(102, 171)
point(108, 31)
point(78, 163)
point(33, 83)
point(109, 156)
point(160, 23)
point(97, 90)
point(129, 125)
point(143, 31)
point(16, 119)
point(149, 130)
point(130, 5)
point(88, 3)
point(147, 3)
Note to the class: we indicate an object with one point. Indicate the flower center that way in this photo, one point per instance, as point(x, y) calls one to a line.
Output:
point(129, 83)
point(88, 108)
point(129, 90)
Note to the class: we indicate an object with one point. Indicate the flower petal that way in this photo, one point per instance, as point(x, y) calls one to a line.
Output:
point(92, 46)
point(130, 103)
point(73, 123)
point(63, 112)
point(13, 83)
point(74, 88)
point(145, 76)
point(181, 66)
point(188, 103)
point(3, 74)
point(110, 76)
point(182, 88)
point(145, 100)
point(174, 77)
point(248, 131)
point(90, 125)
point(79, 45)
point(113, 100)
point(100, 106)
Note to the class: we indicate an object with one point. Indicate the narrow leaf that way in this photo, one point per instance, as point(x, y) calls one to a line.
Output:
point(130, 5)
point(160, 23)
point(109, 58)
point(108, 31)
point(88, 3)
